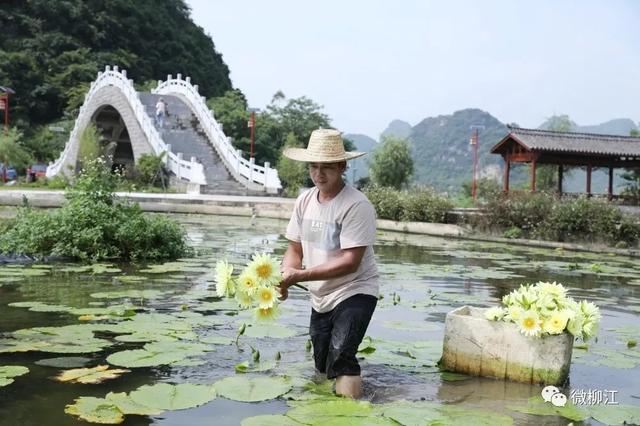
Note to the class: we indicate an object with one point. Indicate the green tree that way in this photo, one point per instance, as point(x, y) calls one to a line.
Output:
point(11, 152)
point(293, 174)
point(547, 174)
point(392, 163)
point(299, 116)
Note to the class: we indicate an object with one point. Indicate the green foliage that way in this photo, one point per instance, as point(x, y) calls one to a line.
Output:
point(541, 215)
point(94, 225)
point(150, 168)
point(89, 146)
point(45, 145)
point(292, 173)
point(392, 163)
point(11, 151)
point(417, 205)
point(299, 116)
point(424, 205)
point(485, 188)
point(387, 201)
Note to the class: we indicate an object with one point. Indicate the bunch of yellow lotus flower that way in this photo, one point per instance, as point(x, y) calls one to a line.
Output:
point(545, 308)
point(255, 285)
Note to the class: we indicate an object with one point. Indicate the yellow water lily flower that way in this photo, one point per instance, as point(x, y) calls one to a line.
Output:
point(248, 282)
point(266, 297)
point(530, 323)
point(224, 282)
point(244, 300)
point(267, 314)
point(556, 323)
point(266, 268)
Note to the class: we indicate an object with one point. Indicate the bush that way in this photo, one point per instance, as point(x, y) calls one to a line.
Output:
point(420, 205)
point(424, 205)
point(542, 216)
point(94, 225)
point(387, 201)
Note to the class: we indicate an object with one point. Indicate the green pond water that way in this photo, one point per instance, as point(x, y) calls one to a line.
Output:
point(172, 312)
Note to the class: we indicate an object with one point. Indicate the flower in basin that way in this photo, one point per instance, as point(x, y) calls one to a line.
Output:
point(530, 323)
point(556, 323)
point(575, 324)
point(224, 282)
point(494, 314)
point(514, 313)
point(248, 282)
point(266, 297)
point(266, 268)
point(267, 314)
point(555, 290)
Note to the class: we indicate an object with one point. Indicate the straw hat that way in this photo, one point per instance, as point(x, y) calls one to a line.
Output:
point(325, 146)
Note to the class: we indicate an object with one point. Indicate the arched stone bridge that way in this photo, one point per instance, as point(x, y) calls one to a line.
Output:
point(198, 152)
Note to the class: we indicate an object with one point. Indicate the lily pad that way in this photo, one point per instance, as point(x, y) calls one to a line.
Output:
point(132, 294)
point(93, 375)
point(327, 411)
point(64, 362)
point(95, 410)
point(269, 420)
point(421, 413)
point(616, 414)
point(255, 389)
point(8, 372)
point(128, 406)
point(272, 331)
point(173, 397)
point(137, 358)
point(536, 405)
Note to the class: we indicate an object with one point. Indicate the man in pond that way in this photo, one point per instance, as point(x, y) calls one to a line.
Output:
point(332, 231)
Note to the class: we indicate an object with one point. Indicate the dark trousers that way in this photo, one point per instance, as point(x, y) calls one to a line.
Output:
point(337, 334)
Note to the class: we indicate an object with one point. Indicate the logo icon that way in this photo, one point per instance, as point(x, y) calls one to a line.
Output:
point(552, 394)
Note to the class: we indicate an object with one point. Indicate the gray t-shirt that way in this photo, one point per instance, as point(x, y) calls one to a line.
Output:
point(324, 229)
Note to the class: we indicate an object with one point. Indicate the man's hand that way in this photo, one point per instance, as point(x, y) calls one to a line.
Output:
point(290, 276)
point(284, 292)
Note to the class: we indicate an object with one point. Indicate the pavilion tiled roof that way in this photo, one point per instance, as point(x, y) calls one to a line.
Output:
point(573, 143)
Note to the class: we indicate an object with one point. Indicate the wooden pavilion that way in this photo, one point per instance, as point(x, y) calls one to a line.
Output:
point(567, 149)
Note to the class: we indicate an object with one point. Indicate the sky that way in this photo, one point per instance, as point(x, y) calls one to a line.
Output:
point(370, 62)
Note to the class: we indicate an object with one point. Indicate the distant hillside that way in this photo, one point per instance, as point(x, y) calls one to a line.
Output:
point(442, 154)
point(359, 167)
point(397, 128)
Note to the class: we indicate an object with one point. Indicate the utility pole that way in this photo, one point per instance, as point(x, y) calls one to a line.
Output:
point(474, 142)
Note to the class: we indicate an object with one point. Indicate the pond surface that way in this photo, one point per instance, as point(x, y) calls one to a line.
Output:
point(115, 308)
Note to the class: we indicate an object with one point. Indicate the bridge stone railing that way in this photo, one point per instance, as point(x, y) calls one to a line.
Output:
point(245, 171)
point(187, 169)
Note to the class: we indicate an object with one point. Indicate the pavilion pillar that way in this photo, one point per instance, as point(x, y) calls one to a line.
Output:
point(560, 173)
point(610, 187)
point(588, 180)
point(507, 169)
point(533, 174)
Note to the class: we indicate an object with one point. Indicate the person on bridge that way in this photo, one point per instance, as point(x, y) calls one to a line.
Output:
point(332, 231)
point(161, 110)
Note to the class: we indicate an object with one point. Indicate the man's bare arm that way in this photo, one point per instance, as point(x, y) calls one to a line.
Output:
point(346, 263)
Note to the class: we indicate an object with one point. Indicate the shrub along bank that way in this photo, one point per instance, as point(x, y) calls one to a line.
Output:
point(94, 225)
point(544, 216)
